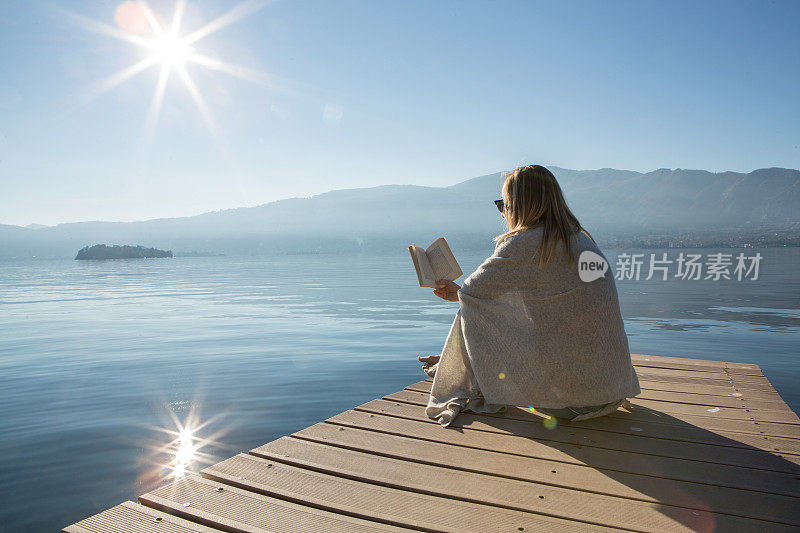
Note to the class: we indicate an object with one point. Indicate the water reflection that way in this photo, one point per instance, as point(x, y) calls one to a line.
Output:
point(186, 451)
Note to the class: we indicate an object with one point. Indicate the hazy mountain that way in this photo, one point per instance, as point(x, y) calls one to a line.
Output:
point(611, 204)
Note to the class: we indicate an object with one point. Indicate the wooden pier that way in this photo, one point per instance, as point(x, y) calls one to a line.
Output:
point(707, 446)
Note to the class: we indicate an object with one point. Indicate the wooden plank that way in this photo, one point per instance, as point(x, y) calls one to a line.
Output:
point(130, 517)
point(738, 378)
point(729, 401)
point(641, 442)
point(714, 410)
point(678, 369)
point(381, 503)
point(688, 361)
point(642, 413)
point(694, 379)
point(734, 501)
point(755, 381)
point(743, 368)
point(657, 413)
point(727, 377)
point(682, 370)
point(520, 447)
point(233, 509)
point(710, 390)
point(649, 362)
point(502, 492)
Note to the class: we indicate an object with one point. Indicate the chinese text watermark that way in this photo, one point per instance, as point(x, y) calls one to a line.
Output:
point(687, 266)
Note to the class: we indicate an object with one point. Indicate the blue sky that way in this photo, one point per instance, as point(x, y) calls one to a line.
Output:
point(362, 93)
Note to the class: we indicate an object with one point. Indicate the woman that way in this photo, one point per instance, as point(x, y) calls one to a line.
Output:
point(528, 331)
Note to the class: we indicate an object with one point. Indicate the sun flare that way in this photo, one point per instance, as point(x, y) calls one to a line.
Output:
point(169, 49)
point(184, 450)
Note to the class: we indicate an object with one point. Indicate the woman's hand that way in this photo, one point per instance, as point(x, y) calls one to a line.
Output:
point(447, 290)
point(429, 363)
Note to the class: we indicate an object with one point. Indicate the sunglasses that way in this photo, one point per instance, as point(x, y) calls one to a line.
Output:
point(500, 205)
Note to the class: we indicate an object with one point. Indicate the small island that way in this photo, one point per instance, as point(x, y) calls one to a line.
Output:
point(101, 251)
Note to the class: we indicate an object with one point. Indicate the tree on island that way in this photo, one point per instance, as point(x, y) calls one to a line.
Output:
point(101, 251)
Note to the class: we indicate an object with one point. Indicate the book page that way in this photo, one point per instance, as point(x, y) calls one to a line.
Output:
point(443, 262)
point(425, 273)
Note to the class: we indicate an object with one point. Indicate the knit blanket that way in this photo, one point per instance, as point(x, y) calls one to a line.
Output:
point(533, 336)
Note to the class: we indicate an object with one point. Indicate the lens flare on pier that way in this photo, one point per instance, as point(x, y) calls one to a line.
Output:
point(548, 421)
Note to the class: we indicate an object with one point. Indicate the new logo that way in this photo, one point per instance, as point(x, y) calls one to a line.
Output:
point(591, 266)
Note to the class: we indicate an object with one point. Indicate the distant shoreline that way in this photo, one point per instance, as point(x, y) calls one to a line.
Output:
point(663, 208)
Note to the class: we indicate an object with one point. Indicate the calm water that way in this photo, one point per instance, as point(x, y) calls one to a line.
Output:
point(100, 360)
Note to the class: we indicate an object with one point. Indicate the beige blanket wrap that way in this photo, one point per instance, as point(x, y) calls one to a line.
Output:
point(533, 336)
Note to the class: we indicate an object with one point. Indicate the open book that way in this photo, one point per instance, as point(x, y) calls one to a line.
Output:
point(434, 263)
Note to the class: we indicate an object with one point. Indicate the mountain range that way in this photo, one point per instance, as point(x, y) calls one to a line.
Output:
point(685, 207)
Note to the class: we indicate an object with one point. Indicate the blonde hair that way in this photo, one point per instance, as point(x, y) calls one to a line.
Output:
point(532, 198)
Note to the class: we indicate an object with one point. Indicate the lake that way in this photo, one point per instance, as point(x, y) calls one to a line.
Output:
point(102, 363)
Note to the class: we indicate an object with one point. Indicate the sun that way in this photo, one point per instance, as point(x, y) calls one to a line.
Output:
point(170, 50)
point(167, 46)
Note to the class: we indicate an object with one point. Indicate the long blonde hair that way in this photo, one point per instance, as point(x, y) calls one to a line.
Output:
point(532, 198)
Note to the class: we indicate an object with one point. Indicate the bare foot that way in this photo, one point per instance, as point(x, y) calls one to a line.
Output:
point(429, 363)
